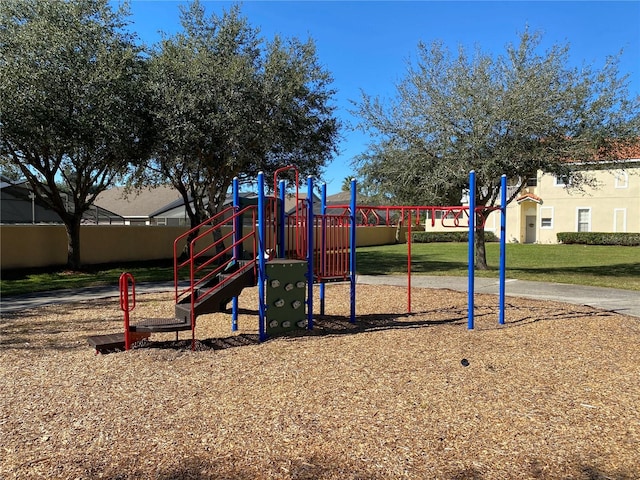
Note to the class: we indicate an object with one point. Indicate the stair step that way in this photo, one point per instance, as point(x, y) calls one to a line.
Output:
point(215, 297)
point(161, 325)
point(114, 341)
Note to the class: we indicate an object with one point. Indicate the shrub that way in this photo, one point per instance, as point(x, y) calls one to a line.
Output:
point(599, 238)
point(452, 236)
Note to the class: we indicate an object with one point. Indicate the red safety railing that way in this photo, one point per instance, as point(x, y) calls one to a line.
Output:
point(205, 263)
point(332, 249)
point(450, 217)
point(127, 279)
point(330, 242)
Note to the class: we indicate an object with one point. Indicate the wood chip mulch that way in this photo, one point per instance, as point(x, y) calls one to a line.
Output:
point(555, 393)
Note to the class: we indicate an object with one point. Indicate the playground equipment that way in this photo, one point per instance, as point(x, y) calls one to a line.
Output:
point(451, 217)
point(311, 248)
point(503, 249)
point(233, 250)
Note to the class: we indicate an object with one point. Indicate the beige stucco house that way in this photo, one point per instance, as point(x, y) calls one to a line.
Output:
point(548, 205)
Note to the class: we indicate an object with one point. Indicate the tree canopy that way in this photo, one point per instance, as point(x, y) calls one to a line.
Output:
point(81, 104)
point(227, 103)
point(72, 112)
point(511, 114)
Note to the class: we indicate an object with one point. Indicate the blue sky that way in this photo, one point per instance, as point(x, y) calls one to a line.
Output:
point(366, 45)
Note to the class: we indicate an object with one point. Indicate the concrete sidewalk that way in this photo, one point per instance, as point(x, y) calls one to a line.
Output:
point(56, 297)
point(625, 302)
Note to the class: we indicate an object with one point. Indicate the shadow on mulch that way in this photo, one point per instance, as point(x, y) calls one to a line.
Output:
point(326, 325)
point(534, 314)
point(323, 325)
point(198, 467)
point(325, 466)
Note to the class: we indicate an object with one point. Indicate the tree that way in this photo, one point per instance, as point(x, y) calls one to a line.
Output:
point(71, 104)
point(513, 114)
point(346, 185)
point(228, 104)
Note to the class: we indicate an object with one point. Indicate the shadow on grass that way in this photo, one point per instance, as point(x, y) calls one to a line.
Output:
point(31, 280)
point(376, 263)
point(620, 270)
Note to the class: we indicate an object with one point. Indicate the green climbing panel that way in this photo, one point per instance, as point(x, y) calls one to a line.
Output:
point(286, 295)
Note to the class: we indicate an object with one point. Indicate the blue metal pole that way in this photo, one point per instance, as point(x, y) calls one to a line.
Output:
point(472, 242)
point(503, 245)
point(352, 250)
point(282, 246)
point(262, 308)
point(237, 235)
point(323, 250)
point(310, 252)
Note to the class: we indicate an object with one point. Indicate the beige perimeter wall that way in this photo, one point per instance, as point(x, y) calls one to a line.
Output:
point(28, 246)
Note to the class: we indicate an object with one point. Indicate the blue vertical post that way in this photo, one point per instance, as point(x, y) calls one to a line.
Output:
point(262, 308)
point(503, 246)
point(472, 242)
point(237, 248)
point(310, 252)
point(281, 213)
point(352, 250)
point(323, 241)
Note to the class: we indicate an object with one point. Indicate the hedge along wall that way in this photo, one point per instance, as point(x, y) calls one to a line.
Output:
point(32, 246)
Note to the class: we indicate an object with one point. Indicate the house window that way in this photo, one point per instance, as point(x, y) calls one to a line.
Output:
point(440, 214)
point(622, 179)
point(619, 219)
point(546, 217)
point(562, 180)
point(532, 182)
point(584, 219)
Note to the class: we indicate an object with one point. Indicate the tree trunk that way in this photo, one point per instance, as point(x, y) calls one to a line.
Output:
point(194, 221)
point(213, 209)
point(72, 226)
point(400, 238)
point(481, 253)
point(196, 216)
point(186, 251)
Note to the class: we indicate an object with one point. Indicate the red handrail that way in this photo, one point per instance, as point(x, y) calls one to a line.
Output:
point(125, 279)
point(176, 266)
point(200, 262)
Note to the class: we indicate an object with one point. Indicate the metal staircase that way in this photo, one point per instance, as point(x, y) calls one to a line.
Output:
point(220, 263)
point(217, 296)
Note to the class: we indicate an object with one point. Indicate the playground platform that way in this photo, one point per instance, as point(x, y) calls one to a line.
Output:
point(625, 302)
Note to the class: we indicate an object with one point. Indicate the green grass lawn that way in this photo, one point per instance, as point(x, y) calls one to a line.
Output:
point(18, 282)
point(603, 266)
